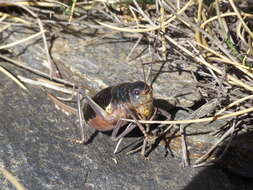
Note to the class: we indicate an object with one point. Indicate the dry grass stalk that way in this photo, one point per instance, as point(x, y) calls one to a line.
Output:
point(12, 179)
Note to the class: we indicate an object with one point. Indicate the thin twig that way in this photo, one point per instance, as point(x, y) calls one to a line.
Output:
point(13, 77)
point(207, 119)
point(35, 71)
point(205, 156)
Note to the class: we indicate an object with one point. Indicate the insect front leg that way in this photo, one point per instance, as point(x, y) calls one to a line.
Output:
point(115, 131)
point(119, 138)
point(148, 140)
point(144, 130)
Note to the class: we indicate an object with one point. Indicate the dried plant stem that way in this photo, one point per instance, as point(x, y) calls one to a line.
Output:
point(185, 159)
point(5, 27)
point(216, 69)
point(207, 119)
point(49, 61)
point(46, 84)
point(234, 103)
point(205, 156)
point(148, 28)
point(243, 68)
point(197, 33)
point(82, 123)
point(35, 71)
point(223, 15)
point(30, 3)
point(22, 40)
point(240, 18)
point(11, 178)
point(13, 77)
point(17, 19)
point(72, 10)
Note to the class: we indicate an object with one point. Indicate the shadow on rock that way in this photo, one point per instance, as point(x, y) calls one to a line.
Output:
point(236, 164)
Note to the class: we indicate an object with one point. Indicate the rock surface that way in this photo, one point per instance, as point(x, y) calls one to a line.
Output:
point(36, 149)
point(35, 137)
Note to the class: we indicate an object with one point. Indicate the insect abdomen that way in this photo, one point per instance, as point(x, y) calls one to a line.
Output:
point(103, 99)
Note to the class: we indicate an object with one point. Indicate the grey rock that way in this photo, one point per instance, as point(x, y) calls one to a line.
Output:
point(35, 137)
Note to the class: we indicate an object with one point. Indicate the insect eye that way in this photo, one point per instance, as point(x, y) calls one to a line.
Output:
point(136, 92)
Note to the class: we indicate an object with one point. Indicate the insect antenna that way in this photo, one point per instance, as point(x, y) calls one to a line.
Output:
point(147, 78)
point(143, 72)
point(156, 75)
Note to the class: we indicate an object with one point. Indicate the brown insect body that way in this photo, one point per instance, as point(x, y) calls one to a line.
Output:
point(116, 101)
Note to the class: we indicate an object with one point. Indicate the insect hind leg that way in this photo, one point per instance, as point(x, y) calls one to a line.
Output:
point(115, 131)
